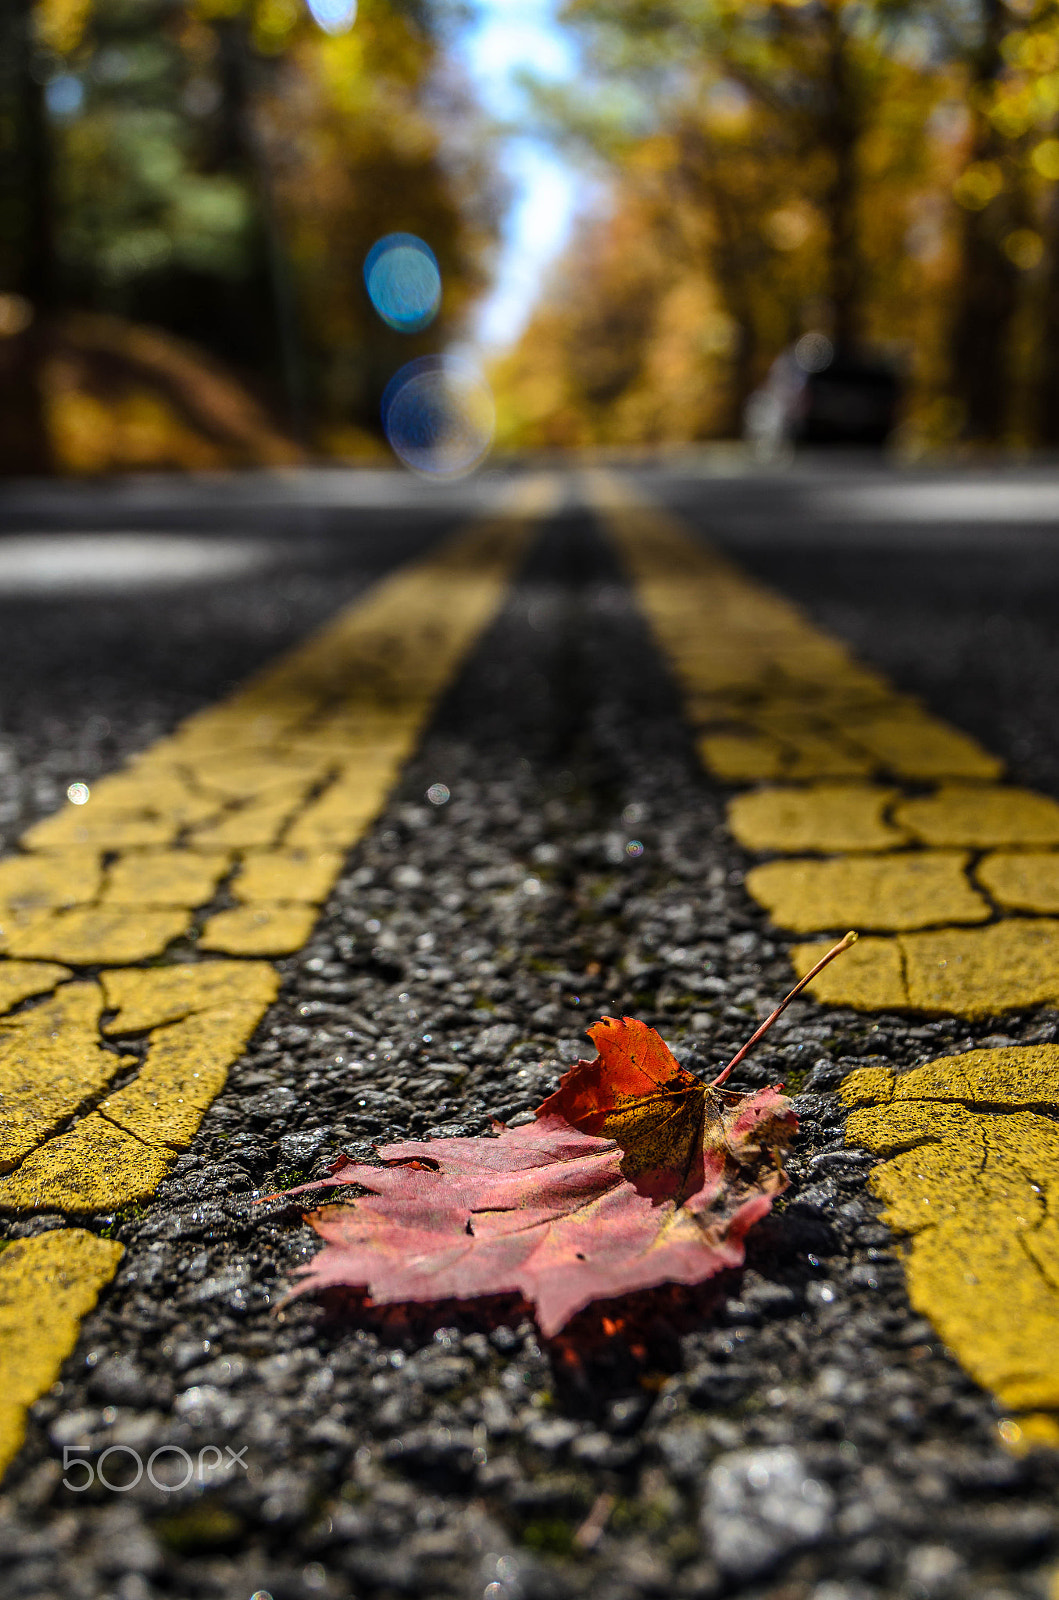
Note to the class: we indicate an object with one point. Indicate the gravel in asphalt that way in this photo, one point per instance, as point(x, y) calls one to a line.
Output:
point(795, 1432)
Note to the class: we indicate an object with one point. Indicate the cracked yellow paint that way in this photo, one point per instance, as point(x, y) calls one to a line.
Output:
point(96, 1166)
point(373, 736)
point(912, 889)
point(1025, 880)
point(750, 757)
point(977, 972)
point(59, 1275)
point(97, 935)
point(153, 878)
point(259, 929)
point(235, 777)
point(341, 812)
point(826, 755)
point(709, 617)
point(971, 1143)
point(827, 817)
point(297, 763)
point(979, 816)
point(872, 975)
point(972, 1176)
point(256, 824)
point(201, 1017)
point(185, 1070)
point(965, 972)
point(21, 980)
point(743, 757)
point(51, 1061)
point(143, 998)
point(36, 883)
point(148, 787)
point(103, 830)
point(288, 875)
point(913, 744)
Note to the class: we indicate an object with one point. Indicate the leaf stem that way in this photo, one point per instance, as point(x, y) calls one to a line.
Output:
point(836, 950)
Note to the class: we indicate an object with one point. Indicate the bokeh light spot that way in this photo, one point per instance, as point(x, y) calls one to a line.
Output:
point(64, 95)
point(334, 16)
point(403, 281)
point(634, 848)
point(439, 794)
point(814, 352)
point(78, 794)
point(438, 416)
point(16, 314)
point(1046, 159)
point(1025, 248)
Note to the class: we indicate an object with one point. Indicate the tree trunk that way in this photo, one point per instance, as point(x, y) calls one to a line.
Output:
point(734, 262)
point(987, 292)
point(239, 147)
point(1046, 395)
point(841, 133)
point(27, 257)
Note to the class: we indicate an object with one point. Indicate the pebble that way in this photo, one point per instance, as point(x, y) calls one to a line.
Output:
point(759, 1506)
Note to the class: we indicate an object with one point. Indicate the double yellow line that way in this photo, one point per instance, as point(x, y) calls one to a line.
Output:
point(258, 798)
point(151, 912)
point(878, 815)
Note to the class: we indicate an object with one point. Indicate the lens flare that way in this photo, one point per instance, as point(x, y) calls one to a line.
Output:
point(438, 415)
point(334, 16)
point(403, 281)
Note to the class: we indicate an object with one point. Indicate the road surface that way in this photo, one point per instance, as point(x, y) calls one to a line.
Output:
point(559, 746)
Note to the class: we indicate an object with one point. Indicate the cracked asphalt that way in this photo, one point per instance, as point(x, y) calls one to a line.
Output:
point(794, 1431)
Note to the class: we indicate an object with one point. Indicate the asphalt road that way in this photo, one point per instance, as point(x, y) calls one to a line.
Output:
point(801, 1433)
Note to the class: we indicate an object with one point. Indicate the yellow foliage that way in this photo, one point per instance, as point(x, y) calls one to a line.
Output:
point(60, 24)
point(123, 398)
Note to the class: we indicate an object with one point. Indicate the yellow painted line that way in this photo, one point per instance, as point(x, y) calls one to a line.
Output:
point(828, 817)
point(909, 889)
point(972, 1178)
point(261, 796)
point(47, 1285)
point(52, 1058)
point(971, 1142)
point(833, 761)
point(1027, 880)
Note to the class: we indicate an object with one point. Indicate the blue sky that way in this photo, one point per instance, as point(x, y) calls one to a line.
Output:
point(509, 35)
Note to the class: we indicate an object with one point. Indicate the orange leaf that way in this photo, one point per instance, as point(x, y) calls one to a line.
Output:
point(636, 1093)
point(633, 1174)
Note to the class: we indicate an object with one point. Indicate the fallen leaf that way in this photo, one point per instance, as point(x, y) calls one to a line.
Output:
point(636, 1093)
point(634, 1173)
point(543, 1210)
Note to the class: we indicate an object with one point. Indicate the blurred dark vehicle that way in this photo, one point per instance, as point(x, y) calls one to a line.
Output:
point(817, 395)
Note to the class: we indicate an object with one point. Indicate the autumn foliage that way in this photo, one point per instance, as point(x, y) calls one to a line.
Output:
point(633, 1174)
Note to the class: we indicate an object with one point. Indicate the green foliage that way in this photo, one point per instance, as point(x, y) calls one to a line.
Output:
point(220, 168)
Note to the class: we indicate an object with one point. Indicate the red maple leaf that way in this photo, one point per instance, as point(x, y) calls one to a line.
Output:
point(544, 1210)
point(633, 1174)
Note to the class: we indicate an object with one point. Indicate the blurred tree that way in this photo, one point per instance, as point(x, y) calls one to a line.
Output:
point(1021, 110)
point(387, 140)
point(887, 170)
point(27, 276)
point(757, 127)
point(219, 169)
point(987, 282)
